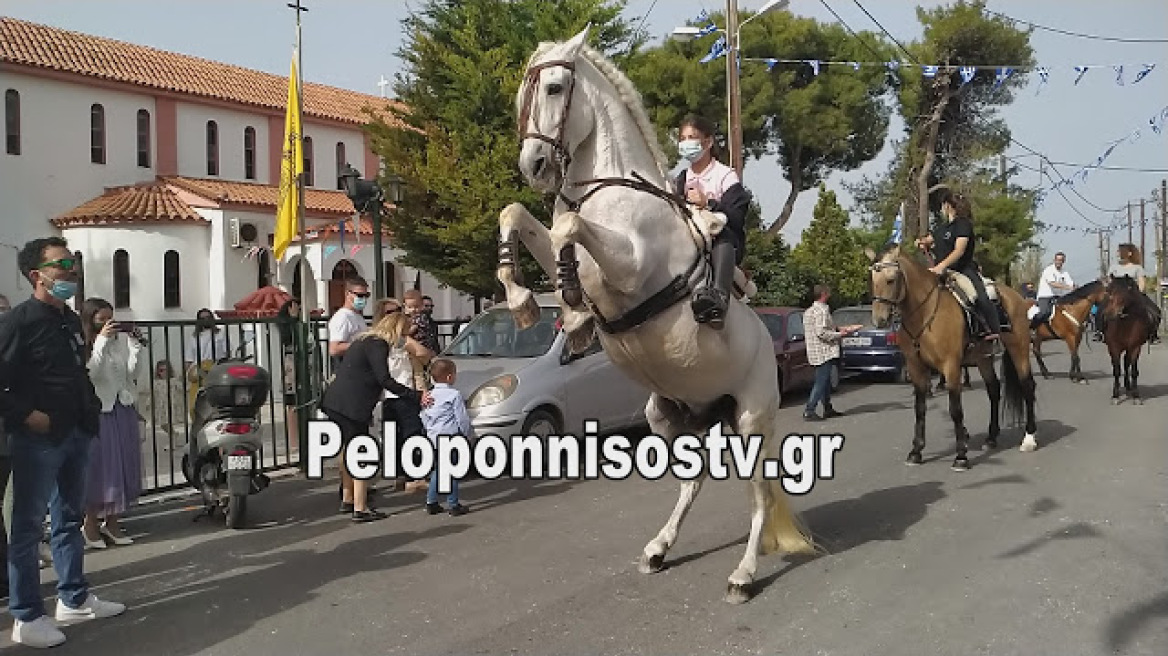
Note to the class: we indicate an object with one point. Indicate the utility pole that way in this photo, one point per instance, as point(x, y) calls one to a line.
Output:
point(735, 100)
point(1130, 238)
point(1163, 268)
point(1002, 169)
point(1102, 256)
point(1143, 233)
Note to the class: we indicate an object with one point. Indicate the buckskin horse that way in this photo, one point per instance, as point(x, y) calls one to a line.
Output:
point(935, 333)
point(586, 138)
point(1069, 322)
point(1126, 328)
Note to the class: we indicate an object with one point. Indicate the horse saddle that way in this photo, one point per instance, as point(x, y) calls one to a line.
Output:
point(963, 290)
point(707, 225)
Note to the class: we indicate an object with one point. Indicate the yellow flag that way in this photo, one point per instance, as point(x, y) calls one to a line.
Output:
point(291, 168)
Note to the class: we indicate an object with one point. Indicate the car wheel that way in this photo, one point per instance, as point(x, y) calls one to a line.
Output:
point(542, 423)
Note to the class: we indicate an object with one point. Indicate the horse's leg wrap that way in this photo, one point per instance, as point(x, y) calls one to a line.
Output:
point(568, 277)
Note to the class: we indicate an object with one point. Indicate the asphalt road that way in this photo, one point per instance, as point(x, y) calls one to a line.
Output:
point(1061, 551)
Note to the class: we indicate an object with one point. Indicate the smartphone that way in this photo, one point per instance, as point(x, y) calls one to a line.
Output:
point(126, 327)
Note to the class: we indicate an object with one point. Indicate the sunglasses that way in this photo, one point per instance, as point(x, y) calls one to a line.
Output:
point(66, 263)
point(365, 295)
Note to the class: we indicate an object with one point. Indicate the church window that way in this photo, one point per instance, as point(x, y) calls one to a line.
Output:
point(308, 181)
point(12, 121)
point(249, 150)
point(212, 148)
point(143, 138)
point(121, 279)
point(97, 134)
point(171, 281)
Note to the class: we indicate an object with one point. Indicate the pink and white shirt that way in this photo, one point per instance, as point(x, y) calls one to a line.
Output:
point(713, 181)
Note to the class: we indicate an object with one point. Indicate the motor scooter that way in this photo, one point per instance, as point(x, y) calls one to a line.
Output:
point(222, 460)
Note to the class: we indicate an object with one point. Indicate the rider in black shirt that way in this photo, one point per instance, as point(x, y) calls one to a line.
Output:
point(953, 247)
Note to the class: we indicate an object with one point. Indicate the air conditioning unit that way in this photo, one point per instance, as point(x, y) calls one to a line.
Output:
point(240, 234)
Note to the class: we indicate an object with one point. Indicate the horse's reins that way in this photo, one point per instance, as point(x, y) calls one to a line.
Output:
point(566, 267)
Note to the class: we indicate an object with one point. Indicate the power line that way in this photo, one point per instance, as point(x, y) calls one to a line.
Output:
point(1078, 34)
point(894, 40)
point(847, 27)
point(645, 17)
point(1093, 166)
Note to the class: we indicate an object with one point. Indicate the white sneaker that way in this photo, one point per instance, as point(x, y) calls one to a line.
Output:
point(92, 609)
point(40, 633)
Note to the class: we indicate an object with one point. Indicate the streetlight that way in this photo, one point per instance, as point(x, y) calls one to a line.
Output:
point(733, 93)
point(367, 196)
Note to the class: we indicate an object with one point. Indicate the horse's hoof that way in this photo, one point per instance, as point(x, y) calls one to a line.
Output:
point(913, 459)
point(1114, 401)
point(736, 594)
point(1138, 401)
point(652, 564)
point(961, 465)
point(1029, 443)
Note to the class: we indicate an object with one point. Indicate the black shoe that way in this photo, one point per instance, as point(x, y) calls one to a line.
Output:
point(811, 416)
point(458, 509)
point(831, 412)
point(434, 508)
point(346, 508)
point(369, 515)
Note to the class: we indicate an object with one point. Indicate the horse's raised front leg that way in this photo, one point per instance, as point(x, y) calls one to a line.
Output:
point(667, 421)
point(517, 224)
point(614, 252)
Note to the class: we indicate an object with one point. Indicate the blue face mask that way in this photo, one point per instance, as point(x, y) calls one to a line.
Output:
point(359, 303)
point(690, 149)
point(63, 290)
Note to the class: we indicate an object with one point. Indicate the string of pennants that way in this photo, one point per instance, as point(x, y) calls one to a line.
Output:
point(968, 73)
point(1157, 123)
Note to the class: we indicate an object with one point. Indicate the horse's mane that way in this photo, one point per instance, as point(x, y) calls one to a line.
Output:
point(625, 90)
point(1079, 293)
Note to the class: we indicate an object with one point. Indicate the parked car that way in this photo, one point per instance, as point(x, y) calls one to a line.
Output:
point(785, 325)
point(524, 382)
point(872, 350)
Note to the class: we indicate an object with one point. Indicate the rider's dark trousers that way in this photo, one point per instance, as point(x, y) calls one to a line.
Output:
point(987, 309)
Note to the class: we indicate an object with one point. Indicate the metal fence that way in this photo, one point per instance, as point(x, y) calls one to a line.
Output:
point(167, 388)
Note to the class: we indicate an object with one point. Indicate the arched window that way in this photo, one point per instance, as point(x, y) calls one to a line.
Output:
point(308, 181)
point(12, 121)
point(97, 134)
point(341, 161)
point(171, 282)
point(249, 171)
point(143, 138)
point(121, 279)
point(212, 148)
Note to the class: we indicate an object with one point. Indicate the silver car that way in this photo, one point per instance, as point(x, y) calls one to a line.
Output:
point(523, 382)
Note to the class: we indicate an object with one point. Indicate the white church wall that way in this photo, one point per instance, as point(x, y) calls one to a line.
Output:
point(192, 121)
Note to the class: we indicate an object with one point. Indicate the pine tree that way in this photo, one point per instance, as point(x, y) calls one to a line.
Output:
point(829, 247)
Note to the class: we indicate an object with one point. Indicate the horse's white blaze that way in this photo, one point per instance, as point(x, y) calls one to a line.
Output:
point(630, 245)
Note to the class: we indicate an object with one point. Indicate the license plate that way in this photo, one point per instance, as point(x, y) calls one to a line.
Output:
point(857, 341)
point(239, 462)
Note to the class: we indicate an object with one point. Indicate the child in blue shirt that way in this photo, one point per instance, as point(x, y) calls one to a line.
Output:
point(447, 416)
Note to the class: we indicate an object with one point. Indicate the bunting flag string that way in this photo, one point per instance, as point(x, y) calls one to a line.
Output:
point(329, 250)
point(1157, 124)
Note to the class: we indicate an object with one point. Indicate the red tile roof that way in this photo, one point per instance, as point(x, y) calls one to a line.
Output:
point(252, 194)
point(41, 46)
point(149, 202)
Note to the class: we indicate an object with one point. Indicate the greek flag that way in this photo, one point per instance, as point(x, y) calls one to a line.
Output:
point(897, 229)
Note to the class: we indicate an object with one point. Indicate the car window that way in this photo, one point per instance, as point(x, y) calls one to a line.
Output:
point(795, 323)
point(774, 325)
point(852, 317)
point(494, 334)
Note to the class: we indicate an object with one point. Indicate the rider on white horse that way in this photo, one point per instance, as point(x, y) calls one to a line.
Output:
point(711, 185)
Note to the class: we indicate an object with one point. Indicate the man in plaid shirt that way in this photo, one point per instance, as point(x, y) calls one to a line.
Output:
point(823, 351)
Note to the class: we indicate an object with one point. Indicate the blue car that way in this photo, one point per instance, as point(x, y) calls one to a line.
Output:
point(872, 350)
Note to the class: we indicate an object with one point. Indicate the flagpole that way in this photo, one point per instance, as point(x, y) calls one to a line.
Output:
point(304, 311)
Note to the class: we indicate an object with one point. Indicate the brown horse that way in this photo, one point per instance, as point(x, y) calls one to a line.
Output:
point(934, 335)
point(1068, 322)
point(1127, 328)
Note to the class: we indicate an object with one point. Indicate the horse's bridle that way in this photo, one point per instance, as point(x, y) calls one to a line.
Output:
point(531, 82)
point(902, 294)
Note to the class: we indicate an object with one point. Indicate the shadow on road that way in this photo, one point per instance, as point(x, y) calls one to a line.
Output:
point(872, 408)
point(1008, 478)
point(1122, 628)
point(1073, 531)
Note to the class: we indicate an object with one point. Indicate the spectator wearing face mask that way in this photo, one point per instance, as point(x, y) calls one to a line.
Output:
point(349, 320)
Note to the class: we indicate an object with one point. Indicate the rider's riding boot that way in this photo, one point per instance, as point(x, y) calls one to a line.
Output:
point(711, 301)
point(989, 315)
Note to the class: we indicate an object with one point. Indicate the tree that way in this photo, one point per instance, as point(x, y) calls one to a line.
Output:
point(454, 138)
point(1029, 265)
point(829, 247)
point(952, 123)
point(813, 124)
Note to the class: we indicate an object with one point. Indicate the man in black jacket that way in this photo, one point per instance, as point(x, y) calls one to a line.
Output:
point(51, 413)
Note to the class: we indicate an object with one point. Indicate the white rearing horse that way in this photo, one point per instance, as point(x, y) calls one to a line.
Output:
point(581, 119)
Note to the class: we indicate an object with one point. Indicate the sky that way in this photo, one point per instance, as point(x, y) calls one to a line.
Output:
point(353, 44)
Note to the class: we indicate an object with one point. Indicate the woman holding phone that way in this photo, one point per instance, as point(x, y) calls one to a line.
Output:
point(116, 365)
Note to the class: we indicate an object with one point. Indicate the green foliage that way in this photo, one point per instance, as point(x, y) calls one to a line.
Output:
point(830, 248)
point(780, 280)
point(463, 63)
point(813, 124)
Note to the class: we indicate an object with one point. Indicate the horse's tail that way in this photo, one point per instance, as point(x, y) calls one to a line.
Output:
point(1013, 396)
point(782, 529)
